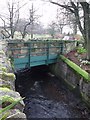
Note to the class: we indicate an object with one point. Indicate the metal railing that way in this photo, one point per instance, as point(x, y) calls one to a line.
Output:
point(33, 53)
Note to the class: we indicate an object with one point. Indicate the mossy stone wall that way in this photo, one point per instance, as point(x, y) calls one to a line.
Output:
point(72, 78)
point(8, 95)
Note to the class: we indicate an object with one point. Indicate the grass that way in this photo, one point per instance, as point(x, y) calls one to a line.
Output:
point(7, 98)
point(9, 106)
point(4, 89)
point(4, 111)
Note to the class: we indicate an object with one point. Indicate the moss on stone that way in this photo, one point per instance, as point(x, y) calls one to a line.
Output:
point(5, 86)
point(2, 52)
point(1, 65)
point(7, 76)
point(75, 67)
point(1, 74)
point(4, 89)
point(4, 69)
point(8, 98)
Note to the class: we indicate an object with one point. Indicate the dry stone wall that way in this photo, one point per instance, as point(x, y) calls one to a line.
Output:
point(7, 86)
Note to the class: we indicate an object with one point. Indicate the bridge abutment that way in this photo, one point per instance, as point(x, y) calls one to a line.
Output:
point(73, 78)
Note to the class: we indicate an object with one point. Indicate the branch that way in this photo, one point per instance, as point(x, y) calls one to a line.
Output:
point(76, 8)
point(4, 34)
point(5, 27)
point(21, 7)
point(73, 9)
point(24, 31)
point(64, 6)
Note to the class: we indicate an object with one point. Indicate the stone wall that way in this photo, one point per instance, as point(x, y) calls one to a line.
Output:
point(72, 79)
point(7, 87)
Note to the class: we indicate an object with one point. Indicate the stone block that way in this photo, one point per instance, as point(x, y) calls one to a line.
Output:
point(72, 77)
point(8, 84)
point(15, 114)
point(85, 88)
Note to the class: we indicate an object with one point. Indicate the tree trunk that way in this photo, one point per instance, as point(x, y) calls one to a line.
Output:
point(88, 42)
point(75, 29)
point(88, 47)
point(87, 28)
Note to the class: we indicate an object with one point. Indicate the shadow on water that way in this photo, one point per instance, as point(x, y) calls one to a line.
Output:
point(46, 96)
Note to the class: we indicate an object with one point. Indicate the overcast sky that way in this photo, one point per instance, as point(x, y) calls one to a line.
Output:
point(46, 10)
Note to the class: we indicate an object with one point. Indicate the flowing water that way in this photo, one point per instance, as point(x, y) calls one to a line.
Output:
point(46, 96)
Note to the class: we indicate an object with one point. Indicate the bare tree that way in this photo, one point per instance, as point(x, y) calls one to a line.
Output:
point(27, 26)
point(30, 22)
point(23, 30)
point(12, 20)
point(74, 8)
point(61, 19)
point(52, 29)
point(65, 18)
point(4, 30)
point(72, 23)
point(10, 23)
point(33, 18)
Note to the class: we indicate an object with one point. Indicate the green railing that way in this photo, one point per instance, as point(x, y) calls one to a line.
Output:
point(34, 53)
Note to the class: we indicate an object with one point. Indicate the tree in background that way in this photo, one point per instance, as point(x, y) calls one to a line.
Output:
point(23, 24)
point(71, 20)
point(26, 26)
point(52, 29)
point(79, 10)
point(10, 22)
point(60, 20)
point(13, 23)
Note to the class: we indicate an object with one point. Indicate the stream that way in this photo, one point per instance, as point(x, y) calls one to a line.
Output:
point(47, 97)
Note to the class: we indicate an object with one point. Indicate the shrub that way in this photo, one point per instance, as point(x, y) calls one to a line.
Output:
point(81, 50)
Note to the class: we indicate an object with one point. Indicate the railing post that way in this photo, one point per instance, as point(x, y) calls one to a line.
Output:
point(47, 52)
point(29, 51)
point(61, 47)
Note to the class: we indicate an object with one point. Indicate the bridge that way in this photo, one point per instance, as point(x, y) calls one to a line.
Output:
point(35, 52)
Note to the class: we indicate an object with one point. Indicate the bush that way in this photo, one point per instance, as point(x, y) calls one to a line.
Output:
point(81, 50)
